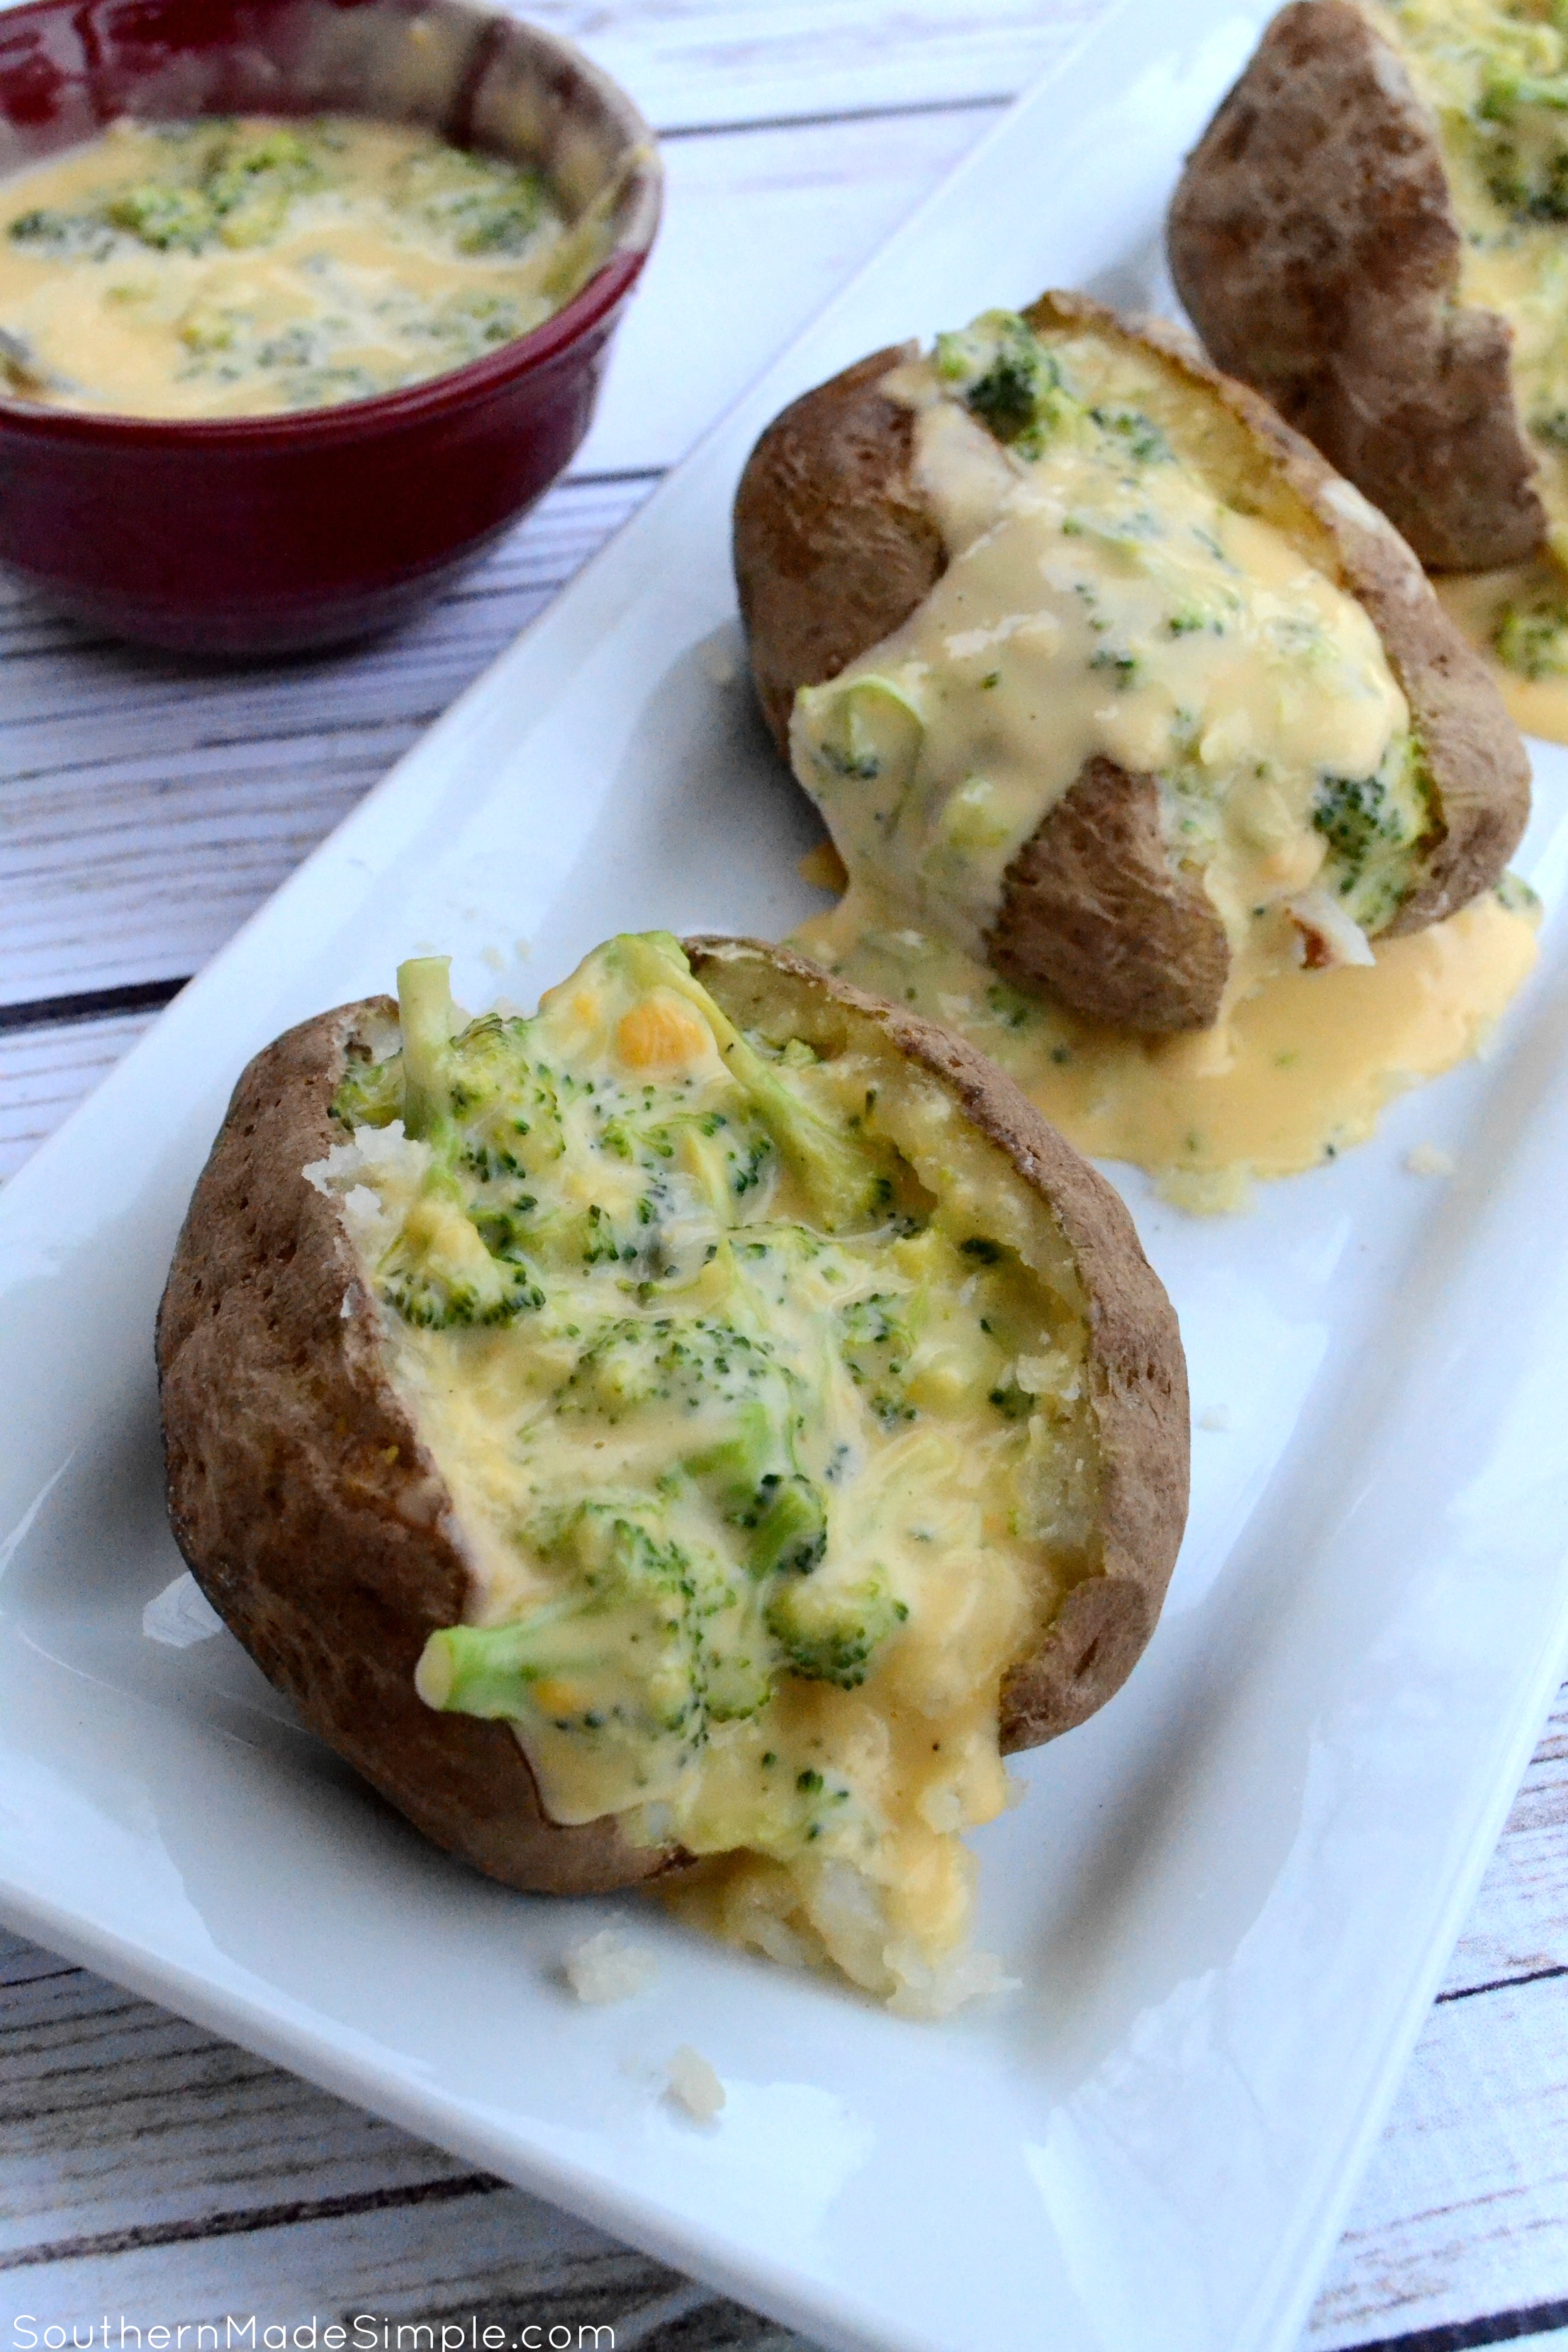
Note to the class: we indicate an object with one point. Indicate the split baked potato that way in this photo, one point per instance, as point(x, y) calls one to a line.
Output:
point(1097, 667)
point(1372, 232)
point(699, 1428)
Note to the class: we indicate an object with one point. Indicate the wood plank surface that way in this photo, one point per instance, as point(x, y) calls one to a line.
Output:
point(699, 63)
point(146, 807)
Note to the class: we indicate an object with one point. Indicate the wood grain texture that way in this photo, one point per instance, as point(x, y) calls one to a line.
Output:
point(691, 63)
point(147, 807)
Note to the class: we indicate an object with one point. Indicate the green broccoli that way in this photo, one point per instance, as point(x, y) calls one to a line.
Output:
point(484, 205)
point(79, 236)
point(371, 1094)
point(455, 1262)
point(848, 1182)
point(828, 1630)
point(1008, 380)
point(1373, 827)
point(657, 1642)
point(1533, 638)
point(165, 215)
point(249, 184)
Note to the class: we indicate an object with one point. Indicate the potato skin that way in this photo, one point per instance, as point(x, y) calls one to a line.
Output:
point(317, 1524)
point(1095, 890)
point(304, 1502)
point(834, 543)
point(1314, 242)
point(1095, 908)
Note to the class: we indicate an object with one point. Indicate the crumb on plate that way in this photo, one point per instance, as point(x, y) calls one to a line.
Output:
point(694, 2086)
point(608, 1967)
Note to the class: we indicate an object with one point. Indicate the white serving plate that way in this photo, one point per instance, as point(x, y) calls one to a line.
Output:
point(1229, 1897)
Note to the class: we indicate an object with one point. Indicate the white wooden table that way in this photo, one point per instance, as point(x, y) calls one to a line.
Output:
point(148, 2171)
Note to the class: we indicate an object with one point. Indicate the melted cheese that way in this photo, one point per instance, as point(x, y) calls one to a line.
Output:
point(1100, 599)
point(1479, 603)
point(693, 1340)
point(226, 268)
point(1295, 1075)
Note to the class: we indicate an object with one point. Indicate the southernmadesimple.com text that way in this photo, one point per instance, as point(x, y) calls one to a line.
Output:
point(364, 2333)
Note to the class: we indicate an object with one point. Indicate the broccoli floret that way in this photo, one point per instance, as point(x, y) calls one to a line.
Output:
point(1373, 827)
point(456, 1261)
point(1144, 441)
point(1006, 397)
point(1533, 638)
point(1350, 813)
point(165, 215)
point(848, 1182)
point(483, 204)
point(656, 1642)
point(1007, 379)
point(371, 1094)
point(1519, 128)
point(875, 1342)
point(79, 235)
point(787, 1518)
point(249, 184)
point(828, 1631)
point(440, 1273)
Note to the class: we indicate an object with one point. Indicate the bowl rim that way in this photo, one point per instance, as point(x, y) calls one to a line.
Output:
point(405, 403)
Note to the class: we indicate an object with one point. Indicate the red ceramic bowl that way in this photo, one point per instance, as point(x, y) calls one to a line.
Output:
point(271, 533)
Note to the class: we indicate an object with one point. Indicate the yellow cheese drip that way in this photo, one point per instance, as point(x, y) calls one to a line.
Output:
point(1292, 1077)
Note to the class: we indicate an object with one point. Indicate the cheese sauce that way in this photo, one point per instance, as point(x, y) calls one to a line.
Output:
point(235, 267)
point(762, 1405)
point(1102, 599)
point(1292, 1076)
point(1496, 76)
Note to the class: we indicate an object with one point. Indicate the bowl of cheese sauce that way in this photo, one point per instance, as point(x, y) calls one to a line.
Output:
point(301, 304)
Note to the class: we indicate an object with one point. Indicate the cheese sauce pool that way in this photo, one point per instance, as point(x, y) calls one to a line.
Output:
point(238, 267)
point(1295, 1075)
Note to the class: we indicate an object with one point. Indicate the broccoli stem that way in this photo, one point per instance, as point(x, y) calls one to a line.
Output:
point(486, 1670)
point(838, 1174)
point(428, 1020)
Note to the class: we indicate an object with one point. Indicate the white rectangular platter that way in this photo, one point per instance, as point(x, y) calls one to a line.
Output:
point(1229, 1895)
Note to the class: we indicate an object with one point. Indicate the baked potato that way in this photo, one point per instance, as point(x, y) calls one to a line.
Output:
point(715, 1418)
point(1371, 231)
point(1317, 240)
point(1095, 667)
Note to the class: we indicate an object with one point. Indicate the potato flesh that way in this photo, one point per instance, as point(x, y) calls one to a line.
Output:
point(978, 1513)
point(1101, 601)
